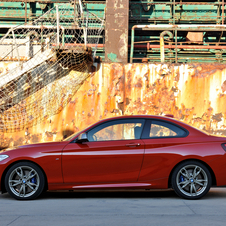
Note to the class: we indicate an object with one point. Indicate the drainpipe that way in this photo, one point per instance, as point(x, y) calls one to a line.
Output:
point(162, 54)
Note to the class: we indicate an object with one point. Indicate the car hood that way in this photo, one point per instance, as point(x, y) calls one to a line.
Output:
point(57, 143)
point(43, 144)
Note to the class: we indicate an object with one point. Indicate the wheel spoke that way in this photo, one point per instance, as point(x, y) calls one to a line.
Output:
point(199, 182)
point(32, 186)
point(186, 173)
point(31, 176)
point(191, 188)
point(14, 183)
point(186, 184)
point(20, 174)
point(194, 188)
point(195, 174)
point(22, 189)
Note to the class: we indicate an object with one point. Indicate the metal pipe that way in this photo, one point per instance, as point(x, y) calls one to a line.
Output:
point(58, 25)
point(34, 1)
point(135, 3)
point(29, 48)
point(193, 58)
point(44, 27)
point(185, 27)
point(86, 28)
point(28, 26)
point(173, 3)
point(81, 44)
point(181, 26)
point(176, 45)
point(132, 43)
point(222, 12)
point(162, 43)
point(14, 40)
point(182, 47)
point(174, 12)
point(83, 23)
point(162, 54)
point(63, 35)
point(25, 11)
point(166, 33)
point(80, 5)
point(157, 58)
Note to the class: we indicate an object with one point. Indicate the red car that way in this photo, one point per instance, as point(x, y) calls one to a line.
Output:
point(128, 152)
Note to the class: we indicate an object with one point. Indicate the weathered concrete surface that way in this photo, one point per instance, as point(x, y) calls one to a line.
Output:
point(114, 208)
point(116, 32)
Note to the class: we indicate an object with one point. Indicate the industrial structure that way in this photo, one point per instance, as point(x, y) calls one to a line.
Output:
point(105, 58)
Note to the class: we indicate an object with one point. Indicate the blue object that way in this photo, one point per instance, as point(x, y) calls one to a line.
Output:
point(181, 178)
point(33, 180)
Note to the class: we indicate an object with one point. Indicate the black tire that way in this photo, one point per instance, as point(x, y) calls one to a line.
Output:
point(191, 180)
point(24, 181)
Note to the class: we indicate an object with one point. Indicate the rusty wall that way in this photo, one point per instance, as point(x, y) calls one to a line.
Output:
point(193, 93)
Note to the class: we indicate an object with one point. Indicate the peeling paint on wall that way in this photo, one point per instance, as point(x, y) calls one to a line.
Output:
point(193, 93)
point(112, 57)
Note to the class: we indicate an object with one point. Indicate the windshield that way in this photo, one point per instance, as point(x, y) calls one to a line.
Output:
point(75, 134)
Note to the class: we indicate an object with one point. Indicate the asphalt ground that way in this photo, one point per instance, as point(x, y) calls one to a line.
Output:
point(97, 208)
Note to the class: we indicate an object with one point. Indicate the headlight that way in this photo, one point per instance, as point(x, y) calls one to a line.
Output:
point(2, 157)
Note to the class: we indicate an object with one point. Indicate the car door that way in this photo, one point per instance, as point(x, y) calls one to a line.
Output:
point(113, 154)
point(163, 141)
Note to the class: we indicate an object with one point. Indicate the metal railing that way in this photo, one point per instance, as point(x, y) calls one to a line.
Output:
point(172, 42)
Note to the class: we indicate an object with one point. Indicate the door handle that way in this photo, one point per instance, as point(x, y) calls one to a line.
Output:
point(133, 144)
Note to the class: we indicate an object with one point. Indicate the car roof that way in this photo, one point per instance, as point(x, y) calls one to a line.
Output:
point(192, 130)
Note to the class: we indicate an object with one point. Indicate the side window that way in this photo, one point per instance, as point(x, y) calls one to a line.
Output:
point(126, 129)
point(158, 129)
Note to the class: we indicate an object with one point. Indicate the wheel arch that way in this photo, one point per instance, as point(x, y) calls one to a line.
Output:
point(214, 182)
point(3, 189)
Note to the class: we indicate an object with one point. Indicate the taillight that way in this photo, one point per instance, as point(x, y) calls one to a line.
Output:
point(224, 146)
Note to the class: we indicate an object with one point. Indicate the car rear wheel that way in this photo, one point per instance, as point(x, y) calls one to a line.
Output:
point(24, 181)
point(191, 180)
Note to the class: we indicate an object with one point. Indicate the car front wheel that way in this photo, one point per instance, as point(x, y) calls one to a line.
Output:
point(191, 180)
point(24, 181)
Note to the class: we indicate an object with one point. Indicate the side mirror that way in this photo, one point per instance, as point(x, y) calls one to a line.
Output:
point(82, 138)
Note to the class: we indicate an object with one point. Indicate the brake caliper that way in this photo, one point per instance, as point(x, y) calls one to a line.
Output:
point(181, 178)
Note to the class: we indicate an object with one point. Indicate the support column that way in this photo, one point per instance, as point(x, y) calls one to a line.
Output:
point(116, 31)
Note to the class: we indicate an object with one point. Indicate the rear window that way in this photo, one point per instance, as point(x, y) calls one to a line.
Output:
point(158, 129)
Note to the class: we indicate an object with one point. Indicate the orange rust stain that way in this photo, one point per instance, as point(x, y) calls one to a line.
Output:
point(190, 92)
point(195, 94)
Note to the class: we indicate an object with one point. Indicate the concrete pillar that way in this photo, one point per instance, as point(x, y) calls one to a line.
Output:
point(116, 31)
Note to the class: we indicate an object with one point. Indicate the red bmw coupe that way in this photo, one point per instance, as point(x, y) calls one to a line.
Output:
point(128, 152)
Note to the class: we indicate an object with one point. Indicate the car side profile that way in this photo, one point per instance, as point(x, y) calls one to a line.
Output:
point(126, 152)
